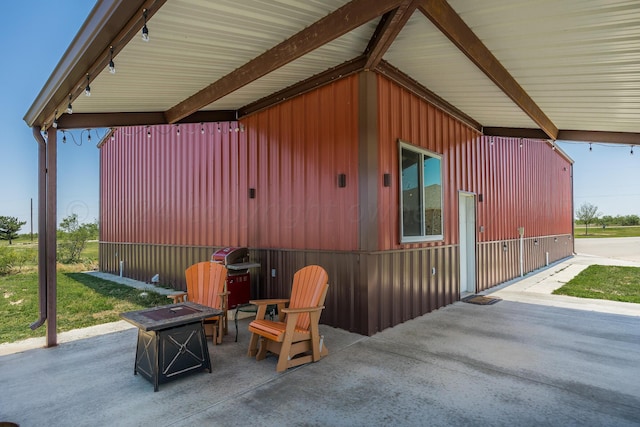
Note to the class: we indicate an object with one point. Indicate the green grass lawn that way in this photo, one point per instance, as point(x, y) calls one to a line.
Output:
point(605, 282)
point(22, 240)
point(609, 231)
point(83, 300)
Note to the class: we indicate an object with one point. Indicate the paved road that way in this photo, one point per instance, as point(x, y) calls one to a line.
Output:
point(624, 248)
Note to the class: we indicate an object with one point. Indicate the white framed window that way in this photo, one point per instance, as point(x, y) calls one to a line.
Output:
point(420, 194)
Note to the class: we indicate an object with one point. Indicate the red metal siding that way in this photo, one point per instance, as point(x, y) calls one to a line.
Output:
point(300, 148)
point(193, 188)
point(524, 183)
point(167, 201)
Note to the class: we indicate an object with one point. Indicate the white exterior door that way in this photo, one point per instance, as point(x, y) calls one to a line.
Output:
point(467, 223)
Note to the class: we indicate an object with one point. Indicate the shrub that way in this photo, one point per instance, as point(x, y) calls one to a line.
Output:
point(7, 260)
point(73, 237)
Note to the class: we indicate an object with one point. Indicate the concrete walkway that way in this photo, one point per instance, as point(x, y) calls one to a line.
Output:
point(518, 362)
point(537, 288)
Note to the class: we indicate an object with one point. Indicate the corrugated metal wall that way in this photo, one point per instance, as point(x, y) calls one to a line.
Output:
point(523, 183)
point(161, 188)
point(168, 201)
point(193, 188)
point(297, 150)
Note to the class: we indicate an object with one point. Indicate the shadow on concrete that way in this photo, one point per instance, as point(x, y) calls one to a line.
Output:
point(509, 363)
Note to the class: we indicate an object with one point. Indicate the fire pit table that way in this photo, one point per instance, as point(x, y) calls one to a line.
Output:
point(171, 340)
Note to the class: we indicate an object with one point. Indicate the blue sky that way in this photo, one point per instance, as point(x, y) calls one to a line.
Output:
point(35, 35)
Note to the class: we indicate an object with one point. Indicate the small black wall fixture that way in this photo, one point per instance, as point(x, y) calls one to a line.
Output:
point(386, 179)
point(252, 193)
point(342, 180)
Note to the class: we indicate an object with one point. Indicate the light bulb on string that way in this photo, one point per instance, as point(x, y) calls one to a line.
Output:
point(112, 65)
point(87, 89)
point(590, 147)
point(69, 106)
point(145, 30)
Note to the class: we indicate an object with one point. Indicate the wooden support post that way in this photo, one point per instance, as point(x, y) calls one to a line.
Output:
point(50, 236)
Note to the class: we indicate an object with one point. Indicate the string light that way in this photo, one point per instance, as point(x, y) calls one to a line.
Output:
point(64, 137)
point(520, 142)
point(590, 147)
point(631, 151)
point(148, 132)
point(89, 135)
point(87, 90)
point(145, 30)
point(112, 65)
point(69, 106)
point(178, 130)
point(491, 141)
point(55, 120)
point(201, 128)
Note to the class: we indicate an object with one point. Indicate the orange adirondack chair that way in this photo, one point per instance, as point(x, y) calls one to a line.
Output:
point(295, 337)
point(206, 285)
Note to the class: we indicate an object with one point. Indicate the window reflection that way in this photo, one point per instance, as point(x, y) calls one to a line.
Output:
point(421, 198)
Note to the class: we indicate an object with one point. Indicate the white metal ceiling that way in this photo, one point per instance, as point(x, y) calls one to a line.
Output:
point(579, 60)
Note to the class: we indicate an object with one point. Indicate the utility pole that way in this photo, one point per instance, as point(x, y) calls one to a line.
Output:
point(32, 220)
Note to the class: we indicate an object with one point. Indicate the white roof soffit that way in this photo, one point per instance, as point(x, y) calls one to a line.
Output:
point(576, 62)
point(579, 60)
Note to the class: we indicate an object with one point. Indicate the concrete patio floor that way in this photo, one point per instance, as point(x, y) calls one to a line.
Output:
point(521, 361)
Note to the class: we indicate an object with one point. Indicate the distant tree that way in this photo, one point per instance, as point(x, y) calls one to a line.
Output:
point(587, 213)
point(9, 227)
point(607, 220)
point(73, 238)
point(630, 220)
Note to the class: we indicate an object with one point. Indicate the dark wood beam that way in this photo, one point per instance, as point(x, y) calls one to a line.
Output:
point(108, 120)
point(627, 138)
point(412, 85)
point(388, 29)
point(447, 20)
point(328, 76)
point(208, 116)
point(345, 19)
point(515, 132)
